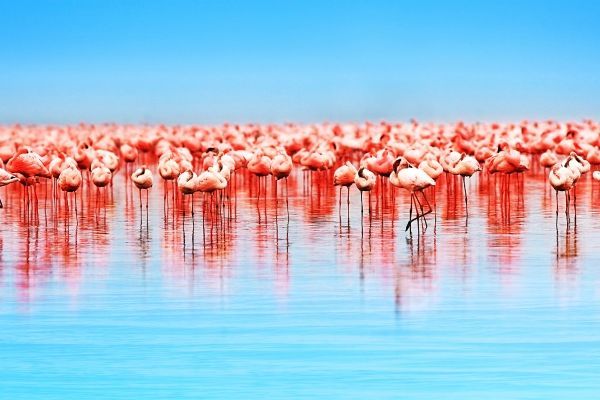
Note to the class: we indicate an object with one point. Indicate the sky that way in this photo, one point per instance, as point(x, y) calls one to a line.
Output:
point(184, 61)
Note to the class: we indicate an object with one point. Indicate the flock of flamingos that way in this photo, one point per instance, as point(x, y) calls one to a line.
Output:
point(52, 163)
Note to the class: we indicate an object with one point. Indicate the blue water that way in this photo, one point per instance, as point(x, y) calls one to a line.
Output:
point(492, 308)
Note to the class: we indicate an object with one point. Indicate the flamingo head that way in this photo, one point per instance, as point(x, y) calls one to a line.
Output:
point(400, 163)
point(21, 178)
point(24, 150)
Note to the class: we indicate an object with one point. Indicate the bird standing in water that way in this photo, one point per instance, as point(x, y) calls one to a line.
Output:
point(28, 166)
point(466, 167)
point(142, 179)
point(414, 180)
point(344, 176)
point(187, 183)
point(364, 181)
point(6, 178)
point(101, 177)
point(69, 181)
point(281, 167)
point(562, 180)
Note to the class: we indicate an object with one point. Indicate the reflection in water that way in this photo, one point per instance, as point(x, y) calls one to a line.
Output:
point(250, 224)
point(241, 284)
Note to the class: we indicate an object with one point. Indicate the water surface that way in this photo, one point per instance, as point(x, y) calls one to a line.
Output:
point(504, 304)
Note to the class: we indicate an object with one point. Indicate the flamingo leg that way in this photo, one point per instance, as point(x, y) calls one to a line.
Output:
point(165, 196)
point(466, 199)
point(361, 205)
point(556, 209)
point(348, 206)
point(409, 226)
point(340, 205)
point(418, 216)
point(567, 206)
point(421, 207)
point(266, 181)
point(434, 207)
point(192, 199)
point(411, 220)
point(427, 202)
point(575, 202)
point(287, 205)
point(75, 203)
point(203, 216)
point(258, 201)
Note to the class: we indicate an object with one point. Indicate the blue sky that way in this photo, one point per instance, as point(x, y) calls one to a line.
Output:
point(269, 61)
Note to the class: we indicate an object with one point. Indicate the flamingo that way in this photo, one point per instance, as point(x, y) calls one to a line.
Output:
point(128, 152)
point(382, 163)
point(101, 177)
point(281, 167)
point(260, 166)
point(562, 179)
point(187, 183)
point(432, 167)
point(414, 180)
point(142, 179)
point(344, 176)
point(466, 166)
point(579, 167)
point(69, 181)
point(169, 170)
point(6, 178)
point(108, 158)
point(28, 163)
point(84, 155)
point(32, 153)
point(28, 166)
point(548, 159)
point(365, 181)
point(210, 181)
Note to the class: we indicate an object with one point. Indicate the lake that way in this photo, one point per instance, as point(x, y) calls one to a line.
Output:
point(116, 303)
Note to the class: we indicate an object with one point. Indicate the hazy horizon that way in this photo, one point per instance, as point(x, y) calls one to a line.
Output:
point(188, 62)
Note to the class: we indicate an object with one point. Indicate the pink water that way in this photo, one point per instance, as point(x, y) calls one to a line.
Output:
point(114, 303)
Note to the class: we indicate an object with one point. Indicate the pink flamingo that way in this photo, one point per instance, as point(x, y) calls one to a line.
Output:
point(562, 179)
point(6, 178)
point(101, 177)
point(188, 184)
point(28, 166)
point(413, 180)
point(465, 167)
point(142, 179)
point(69, 181)
point(344, 176)
point(365, 181)
point(260, 166)
point(281, 167)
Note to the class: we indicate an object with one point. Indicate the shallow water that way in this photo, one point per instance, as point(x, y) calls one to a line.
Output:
point(109, 304)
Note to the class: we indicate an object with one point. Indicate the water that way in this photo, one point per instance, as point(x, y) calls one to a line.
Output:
point(504, 305)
